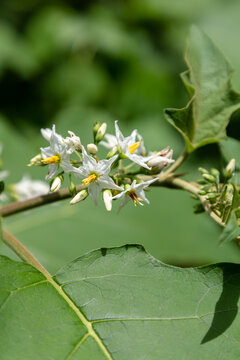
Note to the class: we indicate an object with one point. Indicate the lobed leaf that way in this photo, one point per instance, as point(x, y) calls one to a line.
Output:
point(119, 303)
point(212, 99)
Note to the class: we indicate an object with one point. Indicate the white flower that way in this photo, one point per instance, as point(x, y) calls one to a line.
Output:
point(27, 188)
point(95, 174)
point(73, 142)
point(111, 141)
point(135, 192)
point(55, 155)
point(128, 146)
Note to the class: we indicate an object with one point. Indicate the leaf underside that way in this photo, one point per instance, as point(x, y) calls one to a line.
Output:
point(212, 100)
point(119, 303)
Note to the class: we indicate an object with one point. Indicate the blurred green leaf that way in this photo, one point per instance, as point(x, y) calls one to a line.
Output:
point(230, 148)
point(231, 231)
point(119, 303)
point(212, 102)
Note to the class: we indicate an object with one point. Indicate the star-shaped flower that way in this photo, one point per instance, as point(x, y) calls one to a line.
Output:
point(56, 154)
point(128, 147)
point(135, 192)
point(95, 174)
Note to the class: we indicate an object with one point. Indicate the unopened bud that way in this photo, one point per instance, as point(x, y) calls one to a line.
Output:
point(230, 168)
point(112, 152)
point(72, 189)
point(126, 186)
point(96, 126)
point(209, 178)
point(202, 170)
point(202, 192)
point(92, 149)
point(56, 184)
point(36, 160)
point(101, 132)
point(107, 198)
point(79, 197)
point(215, 172)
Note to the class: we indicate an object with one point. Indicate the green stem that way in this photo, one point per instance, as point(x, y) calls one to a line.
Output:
point(23, 252)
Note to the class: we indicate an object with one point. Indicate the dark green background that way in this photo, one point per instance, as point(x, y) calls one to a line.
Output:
point(74, 62)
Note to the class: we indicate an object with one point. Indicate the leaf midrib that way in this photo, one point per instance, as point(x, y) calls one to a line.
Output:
point(88, 325)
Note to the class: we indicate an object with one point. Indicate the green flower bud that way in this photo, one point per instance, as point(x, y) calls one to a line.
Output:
point(101, 132)
point(230, 168)
point(209, 178)
point(96, 126)
point(202, 170)
point(112, 152)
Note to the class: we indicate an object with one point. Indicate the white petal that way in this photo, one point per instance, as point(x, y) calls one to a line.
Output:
point(56, 142)
point(144, 184)
point(140, 160)
point(104, 166)
point(47, 152)
point(52, 171)
point(94, 190)
point(124, 201)
point(106, 182)
point(88, 161)
point(119, 135)
point(46, 133)
point(111, 141)
point(81, 172)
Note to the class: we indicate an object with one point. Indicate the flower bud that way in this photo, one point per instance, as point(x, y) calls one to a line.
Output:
point(72, 189)
point(79, 197)
point(127, 186)
point(96, 126)
point(209, 178)
point(202, 170)
point(112, 152)
point(107, 198)
point(101, 132)
point(230, 168)
point(56, 184)
point(215, 173)
point(36, 160)
point(92, 149)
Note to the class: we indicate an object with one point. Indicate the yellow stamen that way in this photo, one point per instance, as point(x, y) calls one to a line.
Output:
point(136, 200)
point(89, 179)
point(51, 160)
point(134, 147)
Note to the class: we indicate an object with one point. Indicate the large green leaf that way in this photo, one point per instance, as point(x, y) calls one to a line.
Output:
point(119, 303)
point(212, 100)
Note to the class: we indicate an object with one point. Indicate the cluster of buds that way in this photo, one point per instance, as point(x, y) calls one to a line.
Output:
point(219, 190)
point(107, 176)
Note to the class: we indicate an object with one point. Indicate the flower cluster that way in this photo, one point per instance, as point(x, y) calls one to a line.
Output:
point(108, 176)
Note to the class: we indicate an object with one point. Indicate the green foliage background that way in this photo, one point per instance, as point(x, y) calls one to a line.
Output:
point(74, 62)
